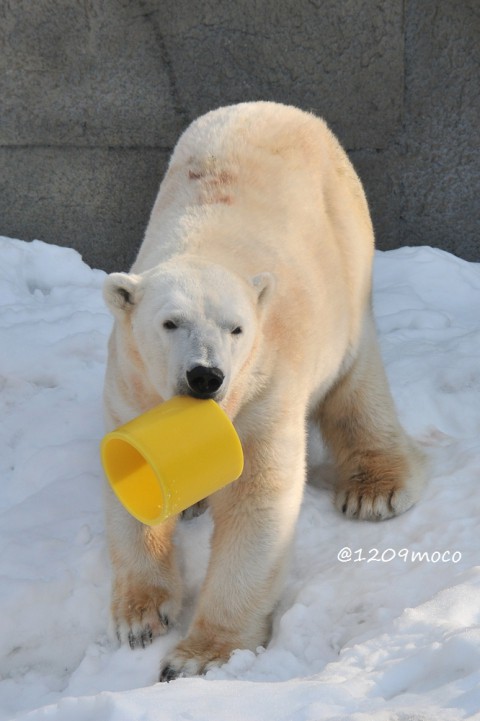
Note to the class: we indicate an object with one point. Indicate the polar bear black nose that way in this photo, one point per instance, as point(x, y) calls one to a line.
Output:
point(204, 382)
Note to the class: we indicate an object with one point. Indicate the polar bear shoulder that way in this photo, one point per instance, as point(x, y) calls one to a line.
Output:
point(259, 183)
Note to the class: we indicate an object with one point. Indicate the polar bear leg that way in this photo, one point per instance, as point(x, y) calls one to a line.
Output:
point(146, 586)
point(380, 471)
point(254, 524)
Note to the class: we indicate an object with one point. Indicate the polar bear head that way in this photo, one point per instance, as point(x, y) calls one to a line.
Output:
point(194, 324)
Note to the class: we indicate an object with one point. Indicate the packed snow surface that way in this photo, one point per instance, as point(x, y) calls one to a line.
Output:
point(377, 621)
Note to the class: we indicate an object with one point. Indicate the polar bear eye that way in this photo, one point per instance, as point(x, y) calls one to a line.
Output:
point(237, 330)
point(170, 325)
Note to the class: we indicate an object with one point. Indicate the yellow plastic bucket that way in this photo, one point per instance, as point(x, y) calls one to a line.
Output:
point(171, 457)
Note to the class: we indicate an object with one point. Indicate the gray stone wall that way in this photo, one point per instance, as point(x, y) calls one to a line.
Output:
point(94, 94)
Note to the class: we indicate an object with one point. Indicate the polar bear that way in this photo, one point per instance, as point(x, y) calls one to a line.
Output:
point(252, 287)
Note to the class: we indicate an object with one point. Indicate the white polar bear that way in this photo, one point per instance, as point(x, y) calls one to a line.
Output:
point(252, 287)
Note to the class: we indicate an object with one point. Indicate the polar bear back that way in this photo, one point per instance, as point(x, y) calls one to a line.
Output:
point(266, 187)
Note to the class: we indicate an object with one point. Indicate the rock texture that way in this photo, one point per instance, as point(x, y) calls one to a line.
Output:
point(94, 94)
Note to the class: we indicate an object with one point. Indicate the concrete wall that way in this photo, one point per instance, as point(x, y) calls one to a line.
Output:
point(95, 93)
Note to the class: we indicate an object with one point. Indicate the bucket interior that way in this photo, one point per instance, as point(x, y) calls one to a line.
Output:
point(133, 480)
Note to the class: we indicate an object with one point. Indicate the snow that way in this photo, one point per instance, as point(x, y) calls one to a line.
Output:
point(391, 634)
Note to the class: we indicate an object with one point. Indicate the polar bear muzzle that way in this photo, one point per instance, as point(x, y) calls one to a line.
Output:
point(204, 382)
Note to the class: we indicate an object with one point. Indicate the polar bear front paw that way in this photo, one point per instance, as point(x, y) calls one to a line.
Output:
point(194, 511)
point(193, 657)
point(140, 613)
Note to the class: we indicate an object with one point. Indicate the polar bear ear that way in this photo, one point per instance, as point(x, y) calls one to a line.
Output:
point(121, 291)
point(264, 283)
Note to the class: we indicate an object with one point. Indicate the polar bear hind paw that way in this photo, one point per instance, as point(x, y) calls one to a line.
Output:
point(381, 487)
point(364, 503)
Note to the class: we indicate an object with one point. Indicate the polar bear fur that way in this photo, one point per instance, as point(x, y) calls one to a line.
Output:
point(256, 261)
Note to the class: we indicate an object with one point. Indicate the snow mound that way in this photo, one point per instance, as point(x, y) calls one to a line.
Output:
point(376, 621)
